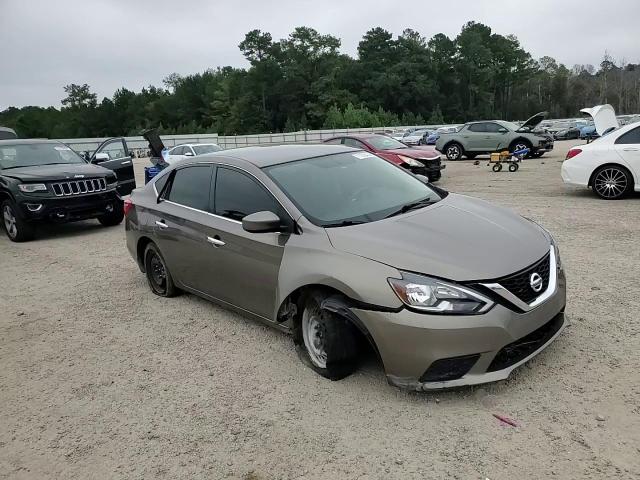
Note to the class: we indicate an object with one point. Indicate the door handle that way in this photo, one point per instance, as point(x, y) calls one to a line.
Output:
point(630, 149)
point(161, 224)
point(126, 162)
point(216, 242)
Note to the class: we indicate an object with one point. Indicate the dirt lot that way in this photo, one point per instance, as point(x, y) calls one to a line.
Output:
point(102, 379)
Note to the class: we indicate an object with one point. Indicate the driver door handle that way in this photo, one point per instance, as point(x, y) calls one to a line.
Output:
point(161, 224)
point(216, 242)
point(630, 149)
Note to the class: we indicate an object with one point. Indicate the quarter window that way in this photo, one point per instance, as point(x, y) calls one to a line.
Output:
point(177, 151)
point(631, 137)
point(238, 195)
point(190, 187)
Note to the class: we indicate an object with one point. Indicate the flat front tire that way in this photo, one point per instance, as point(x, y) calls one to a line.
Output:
point(158, 275)
point(326, 342)
point(17, 229)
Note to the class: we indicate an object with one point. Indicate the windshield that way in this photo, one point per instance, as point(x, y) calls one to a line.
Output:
point(380, 142)
point(348, 188)
point(510, 125)
point(35, 154)
point(202, 149)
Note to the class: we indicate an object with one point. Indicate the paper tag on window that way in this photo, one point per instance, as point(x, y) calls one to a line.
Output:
point(363, 155)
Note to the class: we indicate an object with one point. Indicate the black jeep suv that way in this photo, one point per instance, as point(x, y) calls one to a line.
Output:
point(45, 180)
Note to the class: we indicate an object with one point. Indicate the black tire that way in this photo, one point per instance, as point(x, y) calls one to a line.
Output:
point(497, 167)
point(158, 275)
point(513, 167)
point(454, 151)
point(612, 182)
point(16, 228)
point(115, 217)
point(326, 342)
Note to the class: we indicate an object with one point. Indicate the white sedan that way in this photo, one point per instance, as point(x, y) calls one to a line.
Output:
point(609, 165)
point(187, 150)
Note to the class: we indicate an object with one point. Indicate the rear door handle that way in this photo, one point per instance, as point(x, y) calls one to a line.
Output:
point(216, 242)
point(630, 149)
point(161, 224)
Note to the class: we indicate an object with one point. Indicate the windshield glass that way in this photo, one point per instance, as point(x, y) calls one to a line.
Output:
point(380, 142)
point(202, 149)
point(510, 125)
point(348, 187)
point(35, 154)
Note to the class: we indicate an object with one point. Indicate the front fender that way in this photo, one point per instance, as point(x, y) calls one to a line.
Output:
point(314, 261)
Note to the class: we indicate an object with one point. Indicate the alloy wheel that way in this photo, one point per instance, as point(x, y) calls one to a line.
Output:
point(10, 221)
point(453, 152)
point(314, 336)
point(610, 183)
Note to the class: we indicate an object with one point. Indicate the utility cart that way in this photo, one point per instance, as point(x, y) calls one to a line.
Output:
point(511, 159)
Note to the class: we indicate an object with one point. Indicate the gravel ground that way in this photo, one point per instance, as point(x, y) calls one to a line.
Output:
point(102, 379)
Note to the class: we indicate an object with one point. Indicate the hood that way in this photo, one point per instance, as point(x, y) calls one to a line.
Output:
point(533, 122)
point(604, 117)
point(425, 152)
point(459, 238)
point(46, 173)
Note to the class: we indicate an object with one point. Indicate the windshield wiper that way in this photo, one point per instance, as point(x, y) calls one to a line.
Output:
point(411, 206)
point(344, 223)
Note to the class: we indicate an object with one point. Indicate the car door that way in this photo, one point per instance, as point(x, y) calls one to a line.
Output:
point(181, 225)
point(628, 147)
point(495, 136)
point(248, 264)
point(114, 155)
point(474, 137)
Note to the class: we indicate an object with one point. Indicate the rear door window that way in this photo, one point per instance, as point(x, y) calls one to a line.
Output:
point(631, 137)
point(190, 187)
point(238, 195)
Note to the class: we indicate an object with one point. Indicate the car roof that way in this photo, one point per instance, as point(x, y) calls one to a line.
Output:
point(23, 141)
point(192, 145)
point(361, 136)
point(266, 156)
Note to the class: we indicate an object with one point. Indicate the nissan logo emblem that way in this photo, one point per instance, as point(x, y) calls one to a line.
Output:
point(535, 280)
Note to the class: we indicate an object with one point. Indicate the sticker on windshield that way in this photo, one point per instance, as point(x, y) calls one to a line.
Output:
point(62, 149)
point(363, 155)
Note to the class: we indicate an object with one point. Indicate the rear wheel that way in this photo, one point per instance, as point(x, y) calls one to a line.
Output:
point(497, 167)
point(326, 342)
point(513, 167)
point(158, 275)
point(16, 228)
point(612, 182)
point(454, 151)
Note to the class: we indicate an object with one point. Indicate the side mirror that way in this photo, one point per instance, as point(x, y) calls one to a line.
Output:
point(262, 222)
point(188, 154)
point(100, 157)
point(503, 130)
point(423, 178)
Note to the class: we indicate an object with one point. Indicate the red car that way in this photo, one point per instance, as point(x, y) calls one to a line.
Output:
point(419, 160)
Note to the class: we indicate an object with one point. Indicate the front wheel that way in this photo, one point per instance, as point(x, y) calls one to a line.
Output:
point(497, 167)
point(114, 217)
point(17, 229)
point(612, 182)
point(326, 342)
point(454, 151)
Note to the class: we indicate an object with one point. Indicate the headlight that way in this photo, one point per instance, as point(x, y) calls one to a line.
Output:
point(411, 161)
point(435, 296)
point(32, 187)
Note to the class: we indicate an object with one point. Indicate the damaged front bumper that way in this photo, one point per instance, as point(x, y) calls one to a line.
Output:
point(428, 352)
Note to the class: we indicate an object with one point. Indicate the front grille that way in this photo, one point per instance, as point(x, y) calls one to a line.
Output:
point(79, 187)
point(520, 283)
point(522, 348)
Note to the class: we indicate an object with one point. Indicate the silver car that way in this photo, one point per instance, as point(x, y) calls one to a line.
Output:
point(341, 249)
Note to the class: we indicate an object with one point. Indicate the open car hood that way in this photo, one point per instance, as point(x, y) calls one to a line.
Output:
point(533, 122)
point(604, 117)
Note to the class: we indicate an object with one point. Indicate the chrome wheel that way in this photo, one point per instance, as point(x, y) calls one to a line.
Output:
point(611, 183)
point(10, 221)
point(314, 336)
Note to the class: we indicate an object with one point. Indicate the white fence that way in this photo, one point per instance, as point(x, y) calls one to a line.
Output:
point(226, 142)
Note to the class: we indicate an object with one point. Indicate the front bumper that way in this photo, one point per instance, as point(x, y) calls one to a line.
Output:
point(432, 169)
point(424, 352)
point(68, 209)
point(545, 146)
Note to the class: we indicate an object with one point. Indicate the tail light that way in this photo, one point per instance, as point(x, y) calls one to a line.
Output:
point(128, 206)
point(573, 152)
